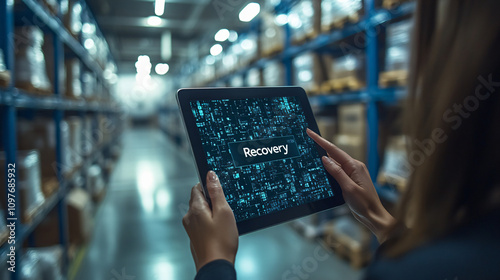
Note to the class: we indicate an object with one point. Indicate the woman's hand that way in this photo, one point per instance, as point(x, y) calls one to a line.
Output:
point(213, 232)
point(357, 187)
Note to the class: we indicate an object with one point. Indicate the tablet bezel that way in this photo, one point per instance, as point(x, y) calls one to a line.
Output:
point(184, 96)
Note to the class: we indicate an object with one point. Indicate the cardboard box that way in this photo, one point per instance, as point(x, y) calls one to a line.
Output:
point(73, 83)
point(308, 72)
point(352, 120)
point(396, 168)
point(273, 74)
point(30, 63)
point(80, 220)
point(74, 151)
point(304, 20)
point(327, 126)
point(254, 77)
point(28, 183)
point(272, 36)
point(353, 145)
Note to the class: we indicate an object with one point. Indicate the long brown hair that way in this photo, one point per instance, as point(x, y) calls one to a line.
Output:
point(453, 120)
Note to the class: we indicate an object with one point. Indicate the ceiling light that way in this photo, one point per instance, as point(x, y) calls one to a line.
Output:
point(88, 28)
point(222, 35)
point(143, 65)
point(281, 19)
point(161, 68)
point(249, 12)
point(216, 49)
point(89, 44)
point(159, 7)
point(233, 36)
point(154, 21)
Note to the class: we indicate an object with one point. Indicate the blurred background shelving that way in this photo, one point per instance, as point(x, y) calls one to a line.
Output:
point(75, 75)
point(60, 125)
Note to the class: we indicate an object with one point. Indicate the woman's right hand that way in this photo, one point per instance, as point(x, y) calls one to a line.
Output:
point(357, 187)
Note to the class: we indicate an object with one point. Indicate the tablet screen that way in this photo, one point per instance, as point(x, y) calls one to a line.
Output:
point(260, 150)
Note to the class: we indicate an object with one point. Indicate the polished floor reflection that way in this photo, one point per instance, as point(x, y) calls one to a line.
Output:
point(139, 236)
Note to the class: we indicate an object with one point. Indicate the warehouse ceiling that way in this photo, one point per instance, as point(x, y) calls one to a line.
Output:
point(125, 26)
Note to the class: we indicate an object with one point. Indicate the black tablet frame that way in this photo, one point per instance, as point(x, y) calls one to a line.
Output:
point(185, 96)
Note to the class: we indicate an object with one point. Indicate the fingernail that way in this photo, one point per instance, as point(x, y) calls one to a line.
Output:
point(327, 160)
point(212, 176)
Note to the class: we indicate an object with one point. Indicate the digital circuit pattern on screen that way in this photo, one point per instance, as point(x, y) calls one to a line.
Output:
point(258, 189)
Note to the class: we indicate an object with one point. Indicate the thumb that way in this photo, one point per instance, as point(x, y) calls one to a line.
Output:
point(215, 190)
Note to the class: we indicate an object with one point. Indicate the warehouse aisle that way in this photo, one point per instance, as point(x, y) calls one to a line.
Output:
point(139, 236)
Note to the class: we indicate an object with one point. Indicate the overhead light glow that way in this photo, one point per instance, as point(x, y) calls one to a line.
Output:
point(210, 60)
point(281, 19)
point(88, 28)
point(154, 21)
point(215, 50)
point(161, 68)
point(233, 36)
point(249, 12)
point(143, 65)
point(222, 35)
point(89, 44)
point(159, 7)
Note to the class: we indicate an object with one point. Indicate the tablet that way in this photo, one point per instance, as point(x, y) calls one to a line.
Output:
point(255, 140)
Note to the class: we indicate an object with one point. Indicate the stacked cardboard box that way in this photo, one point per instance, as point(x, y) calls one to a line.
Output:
point(272, 35)
point(73, 82)
point(80, 223)
point(236, 81)
point(254, 77)
point(346, 72)
point(397, 54)
point(335, 13)
point(273, 74)
point(396, 168)
point(28, 182)
point(73, 19)
point(352, 130)
point(249, 44)
point(30, 67)
point(304, 20)
point(308, 72)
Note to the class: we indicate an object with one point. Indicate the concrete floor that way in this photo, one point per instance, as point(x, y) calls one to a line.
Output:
point(139, 236)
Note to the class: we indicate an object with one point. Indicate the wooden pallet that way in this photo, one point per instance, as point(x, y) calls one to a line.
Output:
point(272, 51)
point(340, 22)
point(345, 247)
point(4, 235)
point(49, 186)
point(393, 78)
point(314, 90)
point(27, 217)
point(4, 78)
point(29, 88)
point(399, 182)
point(311, 35)
point(349, 83)
point(391, 4)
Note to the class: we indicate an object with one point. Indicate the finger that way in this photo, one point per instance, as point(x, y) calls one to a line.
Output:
point(215, 191)
point(198, 200)
point(345, 182)
point(337, 154)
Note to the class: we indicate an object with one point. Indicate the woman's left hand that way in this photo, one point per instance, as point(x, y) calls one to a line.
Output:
point(213, 232)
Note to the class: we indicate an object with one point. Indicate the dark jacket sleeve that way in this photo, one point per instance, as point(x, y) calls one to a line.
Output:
point(218, 269)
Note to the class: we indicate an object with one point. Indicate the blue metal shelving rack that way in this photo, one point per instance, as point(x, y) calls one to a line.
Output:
point(373, 21)
point(12, 99)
